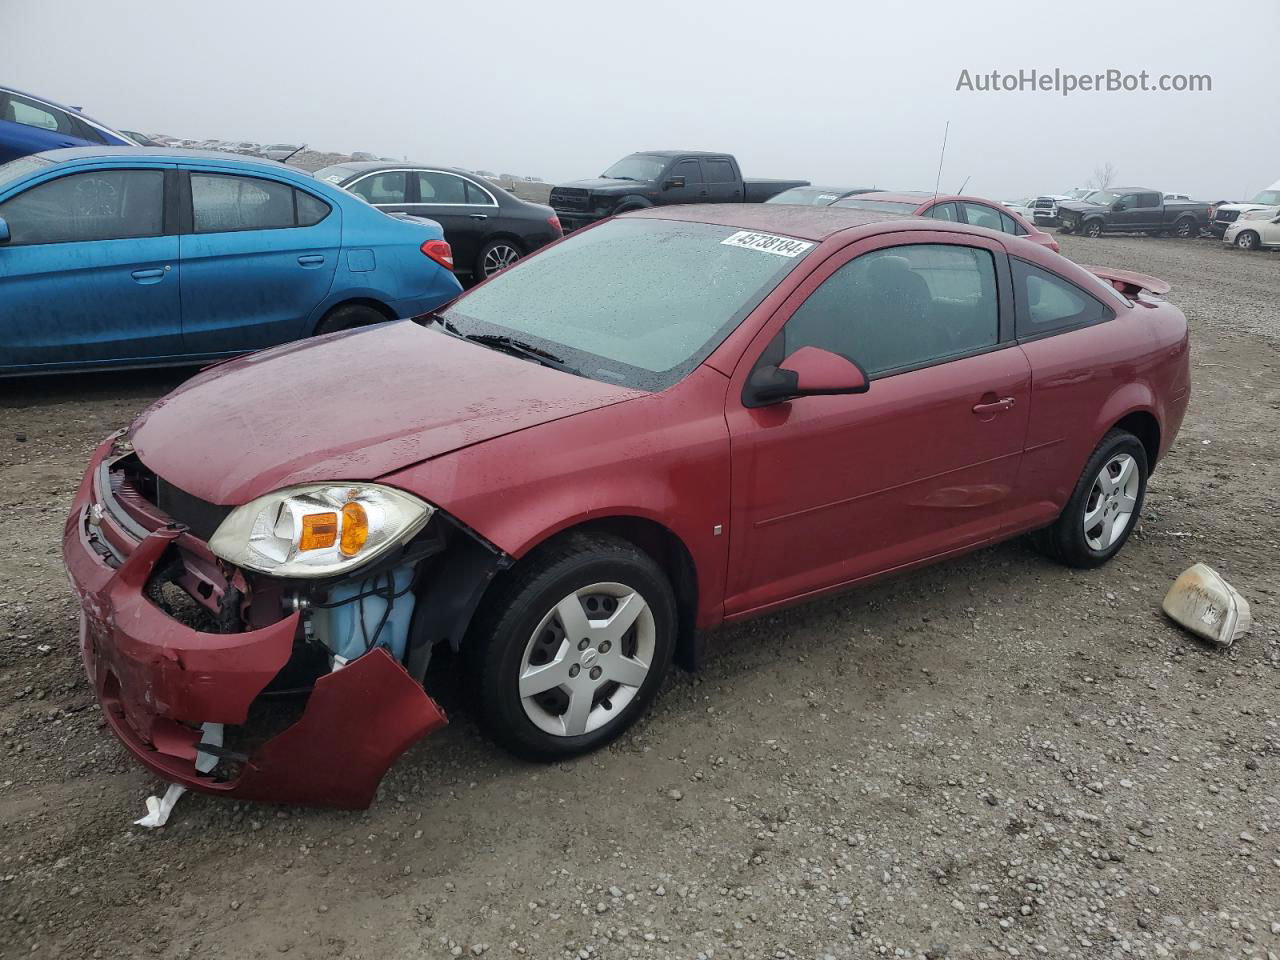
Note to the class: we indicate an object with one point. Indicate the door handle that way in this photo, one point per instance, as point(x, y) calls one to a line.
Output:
point(478, 216)
point(995, 406)
point(144, 275)
point(311, 260)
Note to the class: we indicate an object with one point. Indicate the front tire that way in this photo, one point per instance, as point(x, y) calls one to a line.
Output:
point(495, 256)
point(1093, 229)
point(572, 647)
point(1247, 240)
point(1104, 507)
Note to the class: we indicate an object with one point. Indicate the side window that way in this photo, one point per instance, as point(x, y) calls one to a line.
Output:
point(86, 132)
point(441, 188)
point(221, 203)
point(99, 205)
point(690, 170)
point(1149, 199)
point(980, 215)
point(1130, 200)
point(1049, 304)
point(944, 211)
point(390, 187)
point(1010, 225)
point(477, 195)
point(901, 307)
point(718, 171)
point(29, 113)
point(311, 210)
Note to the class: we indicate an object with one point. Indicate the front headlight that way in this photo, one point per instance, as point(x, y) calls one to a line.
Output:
point(318, 529)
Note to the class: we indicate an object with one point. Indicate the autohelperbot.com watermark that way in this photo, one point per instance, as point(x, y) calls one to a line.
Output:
point(1066, 82)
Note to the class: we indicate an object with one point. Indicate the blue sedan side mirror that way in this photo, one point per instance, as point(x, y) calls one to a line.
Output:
point(4, 231)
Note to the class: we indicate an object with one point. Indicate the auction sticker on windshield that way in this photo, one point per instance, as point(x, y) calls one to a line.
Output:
point(781, 246)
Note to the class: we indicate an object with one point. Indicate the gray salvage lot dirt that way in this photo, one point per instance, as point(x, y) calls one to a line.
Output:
point(993, 755)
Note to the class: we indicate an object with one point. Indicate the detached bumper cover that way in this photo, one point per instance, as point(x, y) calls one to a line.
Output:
point(158, 680)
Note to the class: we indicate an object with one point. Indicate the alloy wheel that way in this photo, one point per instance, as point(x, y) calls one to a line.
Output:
point(1109, 509)
point(499, 257)
point(1245, 241)
point(587, 659)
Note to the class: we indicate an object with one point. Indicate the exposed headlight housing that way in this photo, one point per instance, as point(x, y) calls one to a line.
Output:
point(319, 529)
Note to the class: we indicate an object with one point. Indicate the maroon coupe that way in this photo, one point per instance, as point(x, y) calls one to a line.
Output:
point(672, 419)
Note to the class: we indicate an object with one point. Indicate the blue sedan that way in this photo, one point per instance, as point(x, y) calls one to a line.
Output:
point(134, 256)
point(29, 124)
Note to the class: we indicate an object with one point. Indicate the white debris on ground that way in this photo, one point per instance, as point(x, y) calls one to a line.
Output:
point(1202, 602)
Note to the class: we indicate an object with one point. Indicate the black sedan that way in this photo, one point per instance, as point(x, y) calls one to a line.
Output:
point(811, 196)
point(488, 228)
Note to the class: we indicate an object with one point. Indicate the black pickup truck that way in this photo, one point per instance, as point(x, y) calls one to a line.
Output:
point(1132, 210)
point(657, 178)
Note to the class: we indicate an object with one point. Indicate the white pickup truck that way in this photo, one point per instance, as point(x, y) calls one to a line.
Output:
point(1225, 214)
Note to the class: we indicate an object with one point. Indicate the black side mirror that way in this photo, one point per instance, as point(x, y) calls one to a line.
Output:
point(5, 236)
point(808, 372)
point(1118, 205)
point(675, 183)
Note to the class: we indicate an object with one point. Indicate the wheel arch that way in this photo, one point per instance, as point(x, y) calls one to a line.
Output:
point(1144, 425)
point(370, 302)
point(664, 546)
point(632, 202)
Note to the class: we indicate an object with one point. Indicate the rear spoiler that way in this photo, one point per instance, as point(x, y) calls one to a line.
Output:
point(1129, 283)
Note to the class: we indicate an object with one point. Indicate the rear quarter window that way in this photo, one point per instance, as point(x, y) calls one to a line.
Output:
point(1047, 304)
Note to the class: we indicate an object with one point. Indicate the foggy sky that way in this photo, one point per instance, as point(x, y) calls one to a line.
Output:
point(835, 92)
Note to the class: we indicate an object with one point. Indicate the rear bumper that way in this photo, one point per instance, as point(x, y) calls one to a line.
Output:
point(158, 680)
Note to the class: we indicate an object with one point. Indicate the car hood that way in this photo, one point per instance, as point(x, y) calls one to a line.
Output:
point(350, 406)
point(607, 184)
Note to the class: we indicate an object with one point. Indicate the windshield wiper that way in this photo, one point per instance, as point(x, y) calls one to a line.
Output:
point(607, 177)
point(518, 348)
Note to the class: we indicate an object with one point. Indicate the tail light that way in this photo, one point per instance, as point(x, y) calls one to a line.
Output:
point(555, 225)
point(440, 252)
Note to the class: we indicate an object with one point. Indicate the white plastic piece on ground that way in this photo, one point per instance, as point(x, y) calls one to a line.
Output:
point(1208, 606)
point(159, 808)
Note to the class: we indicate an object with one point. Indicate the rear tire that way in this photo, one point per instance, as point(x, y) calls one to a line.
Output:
point(552, 680)
point(348, 318)
point(1185, 228)
point(1104, 507)
point(1247, 240)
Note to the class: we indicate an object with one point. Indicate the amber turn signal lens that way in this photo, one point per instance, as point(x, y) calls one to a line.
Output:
point(319, 530)
point(355, 528)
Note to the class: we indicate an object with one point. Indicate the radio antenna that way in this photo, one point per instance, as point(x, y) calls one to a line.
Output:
point(941, 157)
point(965, 184)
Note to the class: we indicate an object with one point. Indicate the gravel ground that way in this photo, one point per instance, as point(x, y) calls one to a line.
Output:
point(993, 756)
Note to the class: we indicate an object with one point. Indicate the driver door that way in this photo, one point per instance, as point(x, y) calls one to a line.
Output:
point(828, 490)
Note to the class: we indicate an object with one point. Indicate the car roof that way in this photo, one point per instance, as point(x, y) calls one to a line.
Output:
point(804, 222)
point(65, 154)
point(364, 166)
point(1132, 190)
point(685, 153)
point(898, 196)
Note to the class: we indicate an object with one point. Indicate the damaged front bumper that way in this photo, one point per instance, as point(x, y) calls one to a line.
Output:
point(159, 680)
